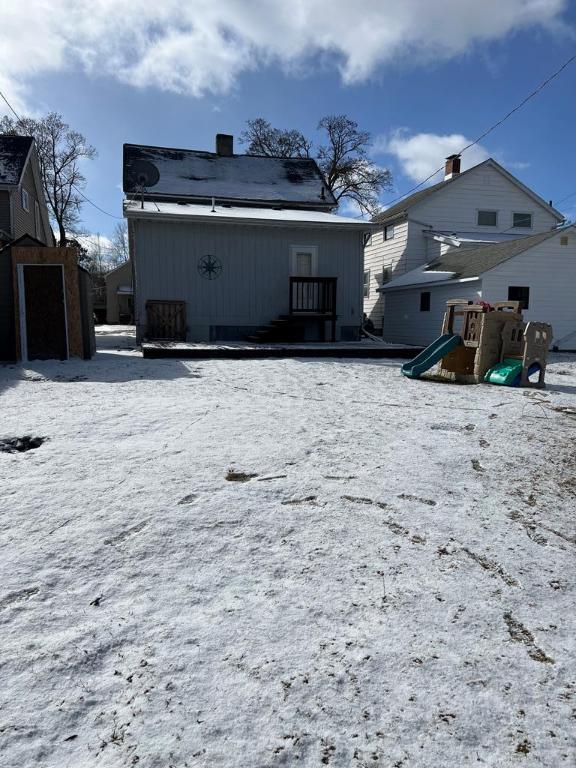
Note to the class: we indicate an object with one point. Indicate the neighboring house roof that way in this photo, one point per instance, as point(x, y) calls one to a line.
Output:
point(14, 151)
point(238, 215)
point(401, 208)
point(470, 263)
point(190, 174)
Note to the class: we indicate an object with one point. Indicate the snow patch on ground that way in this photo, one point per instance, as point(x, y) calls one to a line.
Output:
point(385, 578)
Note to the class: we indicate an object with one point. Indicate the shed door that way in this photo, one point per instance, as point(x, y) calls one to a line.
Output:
point(45, 312)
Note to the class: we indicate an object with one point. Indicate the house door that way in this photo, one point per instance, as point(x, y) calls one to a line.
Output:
point(43, 312)
point(304, 264)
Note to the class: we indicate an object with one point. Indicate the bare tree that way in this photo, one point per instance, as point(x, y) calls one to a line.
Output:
point(118, 250)
point(344, 161)
point(60, 150)
point(263, 139)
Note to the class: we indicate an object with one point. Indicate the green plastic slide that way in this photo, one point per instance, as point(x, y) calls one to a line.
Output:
point(508, 372)
point(431, 355)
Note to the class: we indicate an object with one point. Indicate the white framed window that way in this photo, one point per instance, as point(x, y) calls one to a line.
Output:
point(25, 197)
point(366, 283)
point(487, 218)
point(389, 232)
point(367, 237)
point(37, 221)
point(522, 220)
point(303, 260)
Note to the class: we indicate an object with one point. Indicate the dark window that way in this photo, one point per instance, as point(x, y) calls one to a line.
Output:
point(425, 301)
point(389, 232)
point(487, 218)
point(522, 220)
point(367, 284)
point(367, 236)
point(519, 293)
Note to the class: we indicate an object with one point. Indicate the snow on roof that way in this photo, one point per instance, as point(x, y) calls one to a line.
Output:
point(231, 214)
point(418, 276)
point(13, 154)
point(186, 173)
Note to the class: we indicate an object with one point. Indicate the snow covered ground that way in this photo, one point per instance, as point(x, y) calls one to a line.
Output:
point(391, 585)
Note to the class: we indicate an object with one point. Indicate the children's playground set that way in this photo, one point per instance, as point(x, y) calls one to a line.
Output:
point(493, 344)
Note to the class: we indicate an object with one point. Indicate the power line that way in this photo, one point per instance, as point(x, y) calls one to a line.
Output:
point(112, 215)
point(493, 127)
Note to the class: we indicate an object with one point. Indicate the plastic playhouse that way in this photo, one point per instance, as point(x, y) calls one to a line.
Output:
point(492, 344)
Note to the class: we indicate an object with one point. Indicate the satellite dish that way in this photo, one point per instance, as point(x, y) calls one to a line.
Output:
point(144, 174)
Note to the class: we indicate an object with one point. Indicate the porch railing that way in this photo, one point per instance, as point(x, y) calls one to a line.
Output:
point(313, 295)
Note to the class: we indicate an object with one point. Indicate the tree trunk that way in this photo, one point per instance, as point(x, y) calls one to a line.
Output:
point(61, 235)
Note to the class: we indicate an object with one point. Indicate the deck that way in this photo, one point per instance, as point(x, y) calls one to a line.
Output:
point(238, 350)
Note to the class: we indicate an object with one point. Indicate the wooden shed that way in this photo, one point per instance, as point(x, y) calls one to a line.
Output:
point(52, 304)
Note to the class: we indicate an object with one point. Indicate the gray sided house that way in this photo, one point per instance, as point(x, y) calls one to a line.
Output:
point(23, 214)
point(230, 247)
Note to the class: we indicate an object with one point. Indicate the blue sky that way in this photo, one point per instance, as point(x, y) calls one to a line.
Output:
point(421, 76)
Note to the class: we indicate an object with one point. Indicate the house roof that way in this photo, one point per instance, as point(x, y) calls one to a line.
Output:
point(401, 208)
point(239, 214)
point(190, 174)
point(14, 151)
point(470, 263)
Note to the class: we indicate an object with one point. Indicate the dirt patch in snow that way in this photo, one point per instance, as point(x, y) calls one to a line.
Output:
point(21, 444)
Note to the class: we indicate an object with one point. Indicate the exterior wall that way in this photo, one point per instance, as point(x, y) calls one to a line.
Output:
point(5, 211)
point(549, 270)
point(25, 222)
point(380, 255)
point(253, 287)
point(115, 303)
point(404, 323)
point(66, 257)
point(7, 341)
point(454, 208)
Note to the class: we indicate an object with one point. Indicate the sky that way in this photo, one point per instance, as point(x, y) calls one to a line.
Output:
point(424, 77)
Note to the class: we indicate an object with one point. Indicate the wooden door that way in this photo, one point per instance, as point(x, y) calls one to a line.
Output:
point(46, 336)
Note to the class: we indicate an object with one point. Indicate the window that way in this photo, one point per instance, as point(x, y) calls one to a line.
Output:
point(389, 232)
point(37, 221)
point(304, 260)
point(487, 218)
point(519, 293)
point(367, 238)
point(522, 220)
point(367, 284)
point(425, 301)
point(25, 200)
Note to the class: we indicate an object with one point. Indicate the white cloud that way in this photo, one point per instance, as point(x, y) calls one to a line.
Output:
point(422, 154)
point(203, 46)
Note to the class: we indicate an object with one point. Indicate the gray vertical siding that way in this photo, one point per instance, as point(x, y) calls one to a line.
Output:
point(253, 286)
point(5, 223)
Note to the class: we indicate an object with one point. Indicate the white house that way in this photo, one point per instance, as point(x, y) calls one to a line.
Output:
point(228, 246)
point(538, 270)
point(481, 206)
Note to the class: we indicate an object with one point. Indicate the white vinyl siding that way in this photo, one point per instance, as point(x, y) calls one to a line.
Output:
point(382, 259)
point(549, 271)
point(405, 323)
point(454, 208)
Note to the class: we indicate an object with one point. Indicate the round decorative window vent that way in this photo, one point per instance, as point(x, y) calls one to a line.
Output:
point(209, 267)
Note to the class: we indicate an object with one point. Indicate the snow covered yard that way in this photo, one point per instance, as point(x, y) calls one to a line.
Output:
point(386, 577)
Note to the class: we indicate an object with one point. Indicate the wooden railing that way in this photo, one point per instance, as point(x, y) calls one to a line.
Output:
point(313, 295)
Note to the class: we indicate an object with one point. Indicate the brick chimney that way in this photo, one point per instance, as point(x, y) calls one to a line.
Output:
point(224, 145)
point(452, 167)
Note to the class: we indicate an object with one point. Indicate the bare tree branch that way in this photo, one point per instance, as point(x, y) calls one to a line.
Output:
point(349, 172)
point(60, 150)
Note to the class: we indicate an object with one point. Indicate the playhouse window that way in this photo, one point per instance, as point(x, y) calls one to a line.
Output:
point(519, 293)
point(367, 284)
point(522, 220)
point(425, 301)
point(487, 218)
